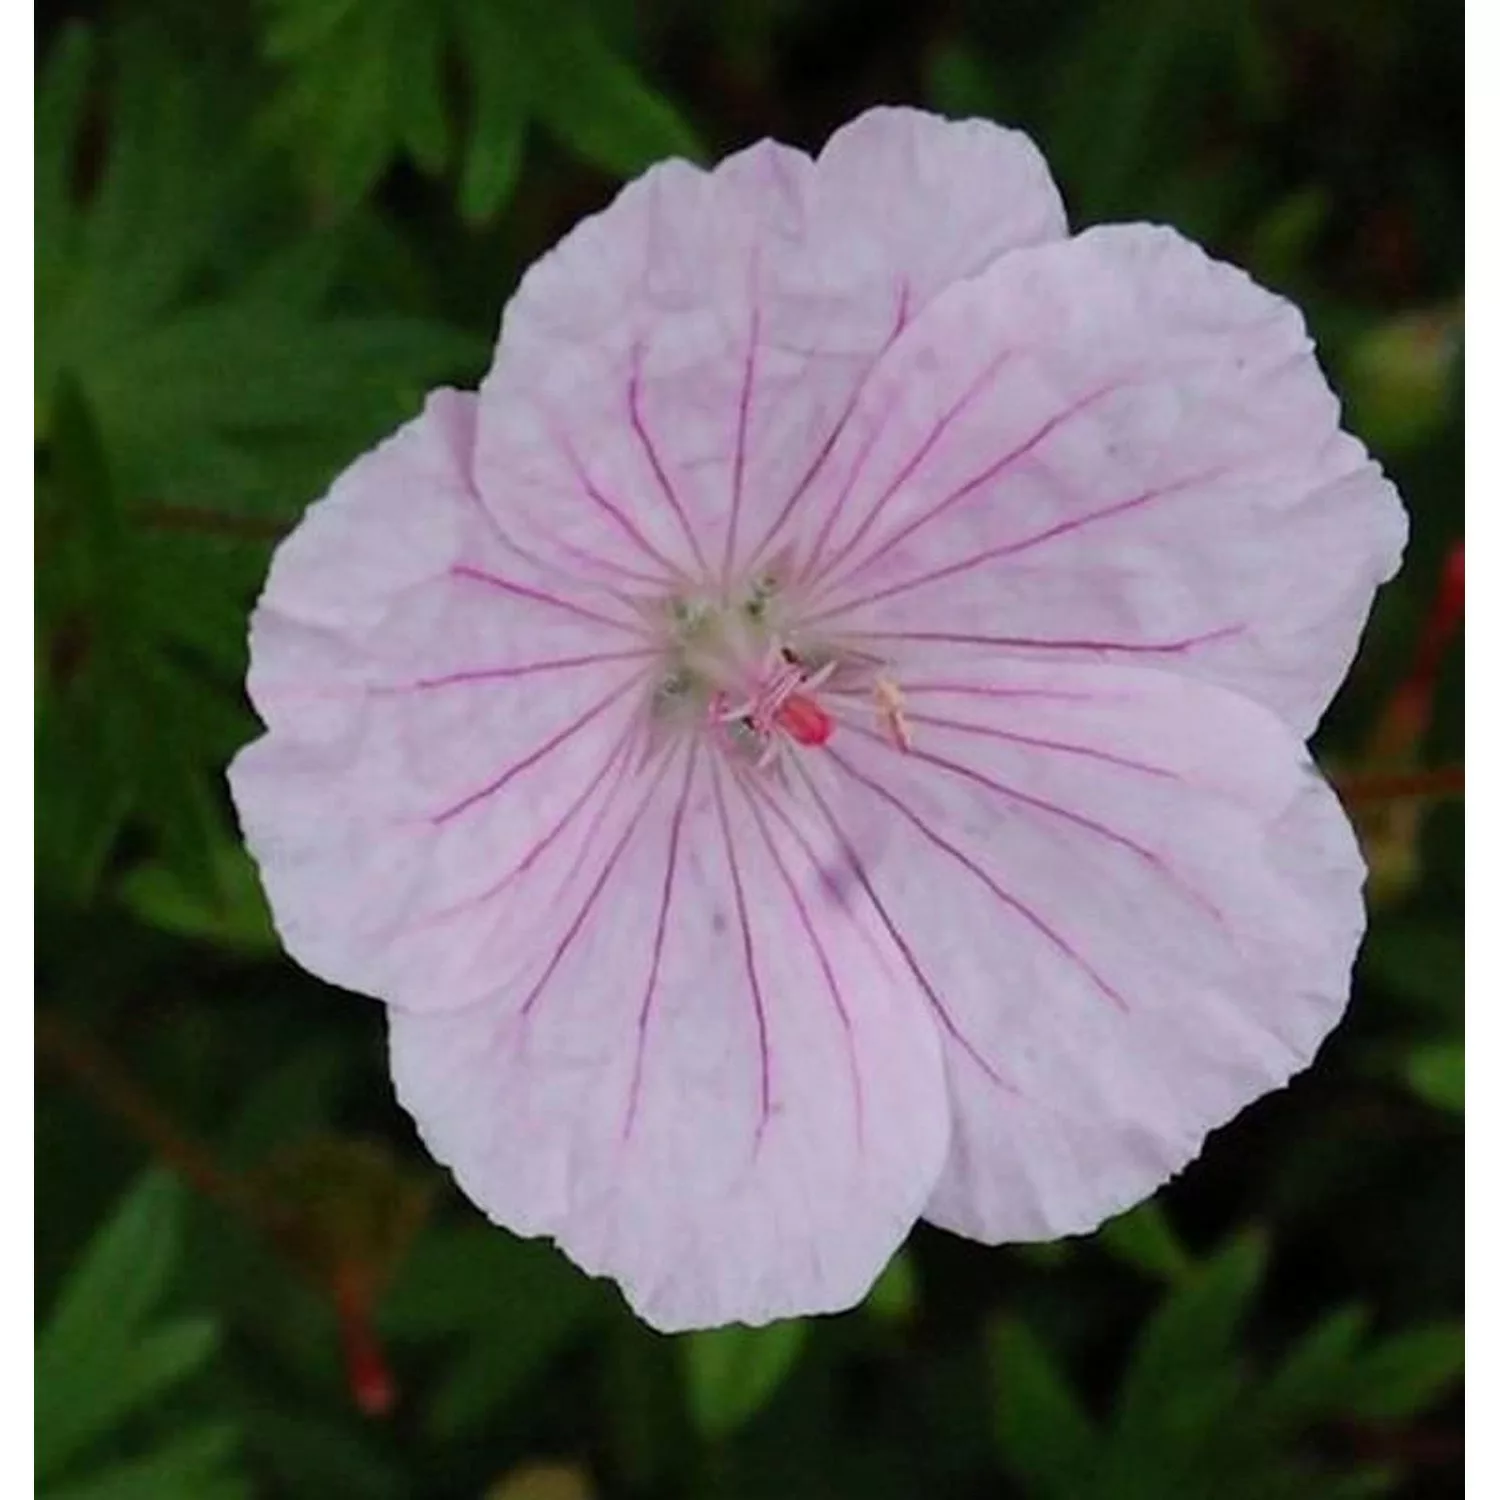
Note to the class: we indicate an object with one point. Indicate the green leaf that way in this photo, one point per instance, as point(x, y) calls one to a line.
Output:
point(590, 98)
point(360, 81)
point(310, 1455)
point(293, 1101)
point(512, 1304)
point(195, 1466)
point(174, 399)
point(500, 106)
point(85, 605)
point(1418, 963)
point(119, 1279)
point(1282, 243)
point(231, 911)
point(61, 92)
point(1435, 1073)
point(1145, 1239)
point(364, 82)
point(422, 120)
point(732, 1372)
point(1192, 1332)
point(196, 384)
point(493, 163)
point(1401, 377)
point(1045, 1436)
point(153, 1363)
point(86, 808)
point(1182, 1381)
point(1307, 1384)
point(960, 82)
point(1130, 92)
point(1405, 1374)
point(893, 1298)
point(82, 483)
point(99, 1361)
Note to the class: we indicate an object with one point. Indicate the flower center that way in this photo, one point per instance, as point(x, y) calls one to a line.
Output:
point(738, 667)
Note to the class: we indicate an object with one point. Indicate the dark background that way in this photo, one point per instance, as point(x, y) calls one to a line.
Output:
point(263, 230)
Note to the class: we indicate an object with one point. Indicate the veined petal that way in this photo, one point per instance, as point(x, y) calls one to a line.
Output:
point(716, 1089)
point(672, 376)
point(1113, 446)
point(1132, 904)
point(938, 200)
point(441, 713)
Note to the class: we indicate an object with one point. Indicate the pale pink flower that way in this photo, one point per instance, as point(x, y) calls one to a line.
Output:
point(817, 740)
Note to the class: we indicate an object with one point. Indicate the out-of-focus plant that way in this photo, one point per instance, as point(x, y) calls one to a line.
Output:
point(108, 1355)
point(217, 382)
point(365, 82)
point(185, 400)
point(1193, 1416)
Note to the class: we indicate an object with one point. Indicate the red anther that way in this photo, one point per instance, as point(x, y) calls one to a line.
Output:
point(801, 717)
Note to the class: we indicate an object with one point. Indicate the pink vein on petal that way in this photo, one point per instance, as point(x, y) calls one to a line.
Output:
point(658, 942)
point(1006, 549)
point(541, 752)
point(899, 938)
point(545, 842)
point(851, 479)
point(627, 776)
point(506, 674)
point(910, 467)
point(540, 596)
point(741, 435)
point(643, 436)
point(831, 441)
point(903, 308)
point(1033, 643)
point(1056, 810)
point(589, 901)
point(1063, 747)
point(830, 978)
point(580, 554)
point(762, 1037)
point(911, 687)
point(609, 565)
point(1005, 897)
point(610, 508)
point(986, 476)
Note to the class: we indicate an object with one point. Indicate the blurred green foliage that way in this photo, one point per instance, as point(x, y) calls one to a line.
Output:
point(264, 229)
point(105, 1355)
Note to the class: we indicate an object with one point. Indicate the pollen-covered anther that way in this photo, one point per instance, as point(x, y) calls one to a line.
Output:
point(890, 705)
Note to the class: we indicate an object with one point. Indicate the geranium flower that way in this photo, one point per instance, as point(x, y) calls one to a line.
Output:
point(816, 741)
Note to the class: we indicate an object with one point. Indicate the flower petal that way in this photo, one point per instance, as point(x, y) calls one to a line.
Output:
point(670, 378)
point(1113, 446)
point(716, 1089)
point(1133, 906)
point(437, 712)
point(937, 199)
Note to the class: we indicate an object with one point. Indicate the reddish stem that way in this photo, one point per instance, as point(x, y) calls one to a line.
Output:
point(1397, 786)
point(102, 1077)
point(370, 1380)
point(191, 518)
